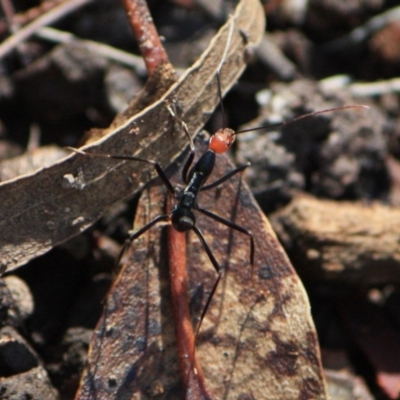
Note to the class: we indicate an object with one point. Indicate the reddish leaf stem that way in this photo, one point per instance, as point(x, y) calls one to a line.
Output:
point(146, 34)
point(192, 374)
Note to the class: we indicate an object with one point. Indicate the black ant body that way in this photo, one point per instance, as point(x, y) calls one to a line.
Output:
point(181, 216)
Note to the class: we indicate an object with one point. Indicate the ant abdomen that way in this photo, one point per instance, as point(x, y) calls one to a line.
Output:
point(182, 219)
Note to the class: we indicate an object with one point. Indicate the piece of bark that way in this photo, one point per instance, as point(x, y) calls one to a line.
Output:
point(341, 241)
point(16, 354)
point(257, 339)
point(16, 302)
point(41, 210)
point(33, 384)
point(343, 385)
point(23, 304)
point(22, 374)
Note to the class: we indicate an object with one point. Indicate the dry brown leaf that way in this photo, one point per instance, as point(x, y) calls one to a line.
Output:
point(257, 341)
point(41, 210)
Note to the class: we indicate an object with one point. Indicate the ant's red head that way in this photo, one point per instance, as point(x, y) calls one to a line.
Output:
point(222, 140)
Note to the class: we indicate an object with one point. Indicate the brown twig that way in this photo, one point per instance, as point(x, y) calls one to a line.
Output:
point(146, 34)
point(9, 13)
point(191, 371)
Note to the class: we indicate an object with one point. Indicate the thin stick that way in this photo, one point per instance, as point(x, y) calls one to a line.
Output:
point(146, 34)
point(9, 13)
point(131, 60)
point(53, 15)
point(191, 372)
point(24, 17)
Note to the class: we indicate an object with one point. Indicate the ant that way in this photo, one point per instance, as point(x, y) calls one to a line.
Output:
point(181, 216)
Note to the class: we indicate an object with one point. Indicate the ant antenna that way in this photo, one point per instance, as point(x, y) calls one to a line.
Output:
point(300, 117)
point(223, 139)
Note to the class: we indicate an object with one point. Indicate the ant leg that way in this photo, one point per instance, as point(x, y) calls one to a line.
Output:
point(189, 161)
point(155, 164)
point(226, 177)
point(207, 248)
point(140, 232)
point(234, 226)
point(216, 267)
point(207, 305)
